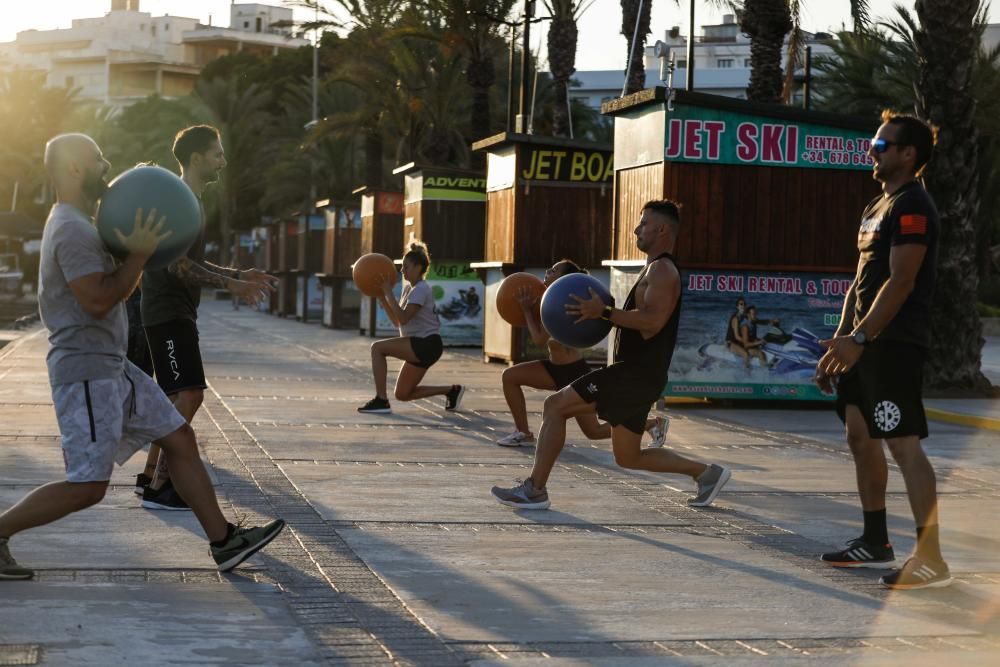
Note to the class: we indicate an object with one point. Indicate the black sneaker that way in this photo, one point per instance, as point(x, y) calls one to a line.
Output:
point(243, 543)
point(918, 573)
point(166, 499)
point(376, 406)
point(142, 480)
point(861, 554)
point(453, 398)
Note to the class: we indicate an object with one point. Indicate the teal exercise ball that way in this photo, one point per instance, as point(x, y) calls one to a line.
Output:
point(147, 188)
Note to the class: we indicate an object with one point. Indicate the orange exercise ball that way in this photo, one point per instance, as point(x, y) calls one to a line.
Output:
point(369, 272)
point(507, 303)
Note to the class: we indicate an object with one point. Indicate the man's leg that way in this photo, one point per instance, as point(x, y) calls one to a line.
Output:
point(558, 408)
point(180, 449)
point(49, 503)
point(187, 403)
point(627, 446)
point(921, 489)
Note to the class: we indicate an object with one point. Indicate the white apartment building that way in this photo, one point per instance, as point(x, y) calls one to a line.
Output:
point(721, 57)
point(128, 54)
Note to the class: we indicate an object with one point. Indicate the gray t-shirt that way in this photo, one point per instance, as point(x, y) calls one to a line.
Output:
point(425, 322)
point(81, 347)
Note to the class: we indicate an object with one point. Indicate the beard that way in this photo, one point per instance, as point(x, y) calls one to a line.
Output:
point(94, 186)
point(211, 176)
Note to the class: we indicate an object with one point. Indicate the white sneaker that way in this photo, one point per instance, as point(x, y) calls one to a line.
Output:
point(659, 431)
point(516, 439)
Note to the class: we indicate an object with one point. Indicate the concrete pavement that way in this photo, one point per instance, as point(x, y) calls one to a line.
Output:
point(396, 554)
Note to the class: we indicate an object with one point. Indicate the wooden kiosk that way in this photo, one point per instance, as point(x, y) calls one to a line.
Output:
point(341, 248)
point(446, 209)
point(381, 231)
point(546, 198)
point(309, 262)
point(772, 198)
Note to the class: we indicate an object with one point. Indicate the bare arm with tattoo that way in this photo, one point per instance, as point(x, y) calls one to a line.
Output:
point(193, 274)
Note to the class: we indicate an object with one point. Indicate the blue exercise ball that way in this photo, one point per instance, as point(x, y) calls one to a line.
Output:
point(147, 188)
point(560, 324)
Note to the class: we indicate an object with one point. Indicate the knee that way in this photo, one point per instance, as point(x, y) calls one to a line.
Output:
point(507, 377)
point(181, 442)
point(629, 460)
point(554, 406)
point(860, 443)
point(191, 399)
point(376, 349)
point(89, 494)
point(904, 451)
point(402, 394)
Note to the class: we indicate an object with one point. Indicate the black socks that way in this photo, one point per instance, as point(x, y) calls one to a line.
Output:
point(876, 532)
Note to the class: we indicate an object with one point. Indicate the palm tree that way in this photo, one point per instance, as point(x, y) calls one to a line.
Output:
point(634, 11)
point(562, 56)
point(947, 42)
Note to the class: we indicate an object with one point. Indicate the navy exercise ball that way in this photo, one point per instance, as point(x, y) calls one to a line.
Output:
point(560, 324)
point(147, 188)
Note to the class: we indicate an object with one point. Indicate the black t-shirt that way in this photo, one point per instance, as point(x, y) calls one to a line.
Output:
point(907, 216)
point(165, 297)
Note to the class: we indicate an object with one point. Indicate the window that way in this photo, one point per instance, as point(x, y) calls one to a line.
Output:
point(246, 25)
point(682, 64)
point(724, 63)
point(746, 63)
point(259, 24)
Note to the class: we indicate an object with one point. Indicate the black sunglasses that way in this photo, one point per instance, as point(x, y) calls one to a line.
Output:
point(882, 145)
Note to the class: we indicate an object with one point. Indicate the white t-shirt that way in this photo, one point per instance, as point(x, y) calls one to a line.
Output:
point(425, 322)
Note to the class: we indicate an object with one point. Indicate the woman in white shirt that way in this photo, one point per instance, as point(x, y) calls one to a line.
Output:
point(419, 342)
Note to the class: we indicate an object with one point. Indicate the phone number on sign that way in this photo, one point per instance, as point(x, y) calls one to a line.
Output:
point(836, 157)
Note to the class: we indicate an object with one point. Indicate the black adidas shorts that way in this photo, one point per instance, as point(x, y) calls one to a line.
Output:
point(564, 374)
point(623, 393)
point(886, 384)
point(176, 356)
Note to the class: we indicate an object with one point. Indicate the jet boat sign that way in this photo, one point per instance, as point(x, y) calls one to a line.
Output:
point(751, 334)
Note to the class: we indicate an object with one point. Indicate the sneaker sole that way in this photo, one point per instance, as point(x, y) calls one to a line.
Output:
point(723, 479)
point(516, 444)
point(16, 577)
point(152, 505)
point(458, 400)
point(912, 587)
point(544, 505)
point(380, 411)
point(250, 551)
point(139, 490)
point(871, 565)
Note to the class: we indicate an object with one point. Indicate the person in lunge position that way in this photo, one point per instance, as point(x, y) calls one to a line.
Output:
point(106, 407)
point(875, 360)
point(564, 365)
point(623, 393)
point(419, 342)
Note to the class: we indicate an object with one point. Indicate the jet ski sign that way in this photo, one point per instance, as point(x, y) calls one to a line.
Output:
point(751, 334)
point(698, 134)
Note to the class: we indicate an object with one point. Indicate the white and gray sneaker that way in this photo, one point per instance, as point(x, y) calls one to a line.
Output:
point(709, 484)
point(658, 431)
point(516, 439)
point(523, 496)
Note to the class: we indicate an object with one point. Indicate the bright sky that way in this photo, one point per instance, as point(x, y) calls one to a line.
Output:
point(597, 50)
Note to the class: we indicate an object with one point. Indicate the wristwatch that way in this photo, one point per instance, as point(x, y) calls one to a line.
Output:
point(607, 313)
point(860, 337)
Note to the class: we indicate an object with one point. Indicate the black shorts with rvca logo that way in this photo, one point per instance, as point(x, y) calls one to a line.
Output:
point(176, 356)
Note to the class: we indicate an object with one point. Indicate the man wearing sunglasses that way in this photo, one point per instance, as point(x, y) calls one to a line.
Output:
point(875, 361)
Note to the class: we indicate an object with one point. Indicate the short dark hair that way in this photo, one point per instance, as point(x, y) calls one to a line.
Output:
point(194, 139)
point(569, 266)
point(665, 207)
point(418, 254)
point(913, 132)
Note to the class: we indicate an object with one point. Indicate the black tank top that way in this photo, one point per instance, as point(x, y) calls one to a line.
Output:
point(651, 356)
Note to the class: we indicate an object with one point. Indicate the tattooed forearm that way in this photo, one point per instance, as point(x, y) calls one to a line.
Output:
point(193, 274)
point(227, 271)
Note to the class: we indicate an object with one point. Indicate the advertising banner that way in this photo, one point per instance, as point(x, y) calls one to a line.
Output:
point(782, 319)
point(568, 165)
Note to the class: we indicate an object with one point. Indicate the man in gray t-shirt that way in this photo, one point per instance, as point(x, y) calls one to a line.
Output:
point(106, 407)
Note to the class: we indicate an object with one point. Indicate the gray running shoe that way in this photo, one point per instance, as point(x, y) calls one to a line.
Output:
point(709, 485)
point(659, 431)
point(9, 569)
point(243, 543)
point(516, 439)
point(523, 496)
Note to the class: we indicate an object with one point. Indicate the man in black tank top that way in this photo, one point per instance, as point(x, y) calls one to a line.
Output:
point(623, 393)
